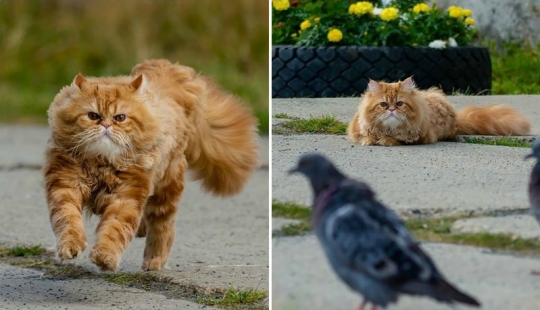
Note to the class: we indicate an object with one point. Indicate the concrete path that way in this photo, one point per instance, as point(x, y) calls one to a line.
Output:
point(436, 180)
point(219, 242)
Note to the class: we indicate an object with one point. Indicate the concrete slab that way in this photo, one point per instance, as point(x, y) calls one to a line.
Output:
point(22, 145)
point(22, 289)
point(302, 278)
point(524, 226)
point(344, 108)
point(448, 177)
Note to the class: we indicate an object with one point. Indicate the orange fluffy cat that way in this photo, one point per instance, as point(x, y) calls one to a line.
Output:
point(399, 113)
point(120, 148)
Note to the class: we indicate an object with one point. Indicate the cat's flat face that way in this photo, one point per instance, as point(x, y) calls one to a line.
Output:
point(103, 117)
point(391, 104)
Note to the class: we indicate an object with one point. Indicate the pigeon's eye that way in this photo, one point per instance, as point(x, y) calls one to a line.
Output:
point(120, 117)
point(399, 103)
point(384, 104)
point(302, 163)
point(93, 116)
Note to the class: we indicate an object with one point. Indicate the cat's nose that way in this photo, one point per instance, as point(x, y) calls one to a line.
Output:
point(391, 109)
point(105, 125)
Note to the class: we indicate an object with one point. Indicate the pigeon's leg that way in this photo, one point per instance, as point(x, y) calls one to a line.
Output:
point(363, 304)
point(535, 273)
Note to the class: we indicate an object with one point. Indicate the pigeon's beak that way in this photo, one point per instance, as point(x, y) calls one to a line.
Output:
point(530, 155)
point(293, 170)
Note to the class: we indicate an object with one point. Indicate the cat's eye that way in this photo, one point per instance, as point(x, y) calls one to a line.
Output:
point(399, 103)
point(93, 116)
point(384, 104)
point(120, 117)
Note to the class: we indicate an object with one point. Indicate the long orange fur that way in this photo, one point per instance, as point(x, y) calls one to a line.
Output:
point(399, 113)
point(128, 166)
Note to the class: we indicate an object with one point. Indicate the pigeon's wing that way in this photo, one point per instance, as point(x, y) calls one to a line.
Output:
point(369, 238)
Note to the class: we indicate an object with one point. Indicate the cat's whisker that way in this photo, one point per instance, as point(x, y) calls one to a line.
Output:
point(88, 137)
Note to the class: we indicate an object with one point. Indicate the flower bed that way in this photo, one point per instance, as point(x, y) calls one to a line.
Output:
point(427, 42)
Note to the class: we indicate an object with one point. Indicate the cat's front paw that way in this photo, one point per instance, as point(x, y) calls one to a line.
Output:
point(69, 247)
point(368, 141)
point(154, 263)
point(387, 141)
point(106, 259)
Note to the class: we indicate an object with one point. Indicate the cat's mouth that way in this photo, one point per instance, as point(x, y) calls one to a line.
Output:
point(392, 114)
point(392, 119)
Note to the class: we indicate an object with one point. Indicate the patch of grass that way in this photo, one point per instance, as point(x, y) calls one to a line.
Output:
point(281, 115)
point(23, 251)
point(290, 210)
point(439, 230)
point(293, 211)
point(500, 141)
point(515, 69)
point(138, 279)
point(233, 297)
point(301, 228)
point(324, 125)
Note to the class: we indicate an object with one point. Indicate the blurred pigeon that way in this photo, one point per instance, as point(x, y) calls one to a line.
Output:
point(534, 184)
point(367, 244)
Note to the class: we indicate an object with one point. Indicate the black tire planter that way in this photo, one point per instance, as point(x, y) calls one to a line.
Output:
point(345, 70)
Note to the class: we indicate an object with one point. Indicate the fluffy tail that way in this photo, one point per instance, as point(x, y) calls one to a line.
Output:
point(222, 151)
point(492, 120)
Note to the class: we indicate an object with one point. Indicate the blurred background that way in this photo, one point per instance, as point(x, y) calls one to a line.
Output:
point(44, 44)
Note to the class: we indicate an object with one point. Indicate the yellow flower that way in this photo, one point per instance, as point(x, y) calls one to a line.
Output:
point(352, 8)
point(421, 7)
point(469, 21)
point(317, 19)
point(361, 8)
point(389, 14)
point(305, 24)
point(455, 11)
point(294, 35)
point(281, 5)
point(467, 13)
point(335, 35)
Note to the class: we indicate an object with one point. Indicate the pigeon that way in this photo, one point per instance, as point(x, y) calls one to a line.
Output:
point(367, 244)
point(534, 184)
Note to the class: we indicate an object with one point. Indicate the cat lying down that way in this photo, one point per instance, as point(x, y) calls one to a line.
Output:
point(399, 113)
point(120, 147)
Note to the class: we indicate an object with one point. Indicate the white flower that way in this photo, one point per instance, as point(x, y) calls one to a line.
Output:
point(440, 44)
point(386, 2)
point(377, 11)
point(452, 42)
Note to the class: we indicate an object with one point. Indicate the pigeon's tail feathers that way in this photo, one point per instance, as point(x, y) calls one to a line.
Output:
point(492, 120)
point(440, 290)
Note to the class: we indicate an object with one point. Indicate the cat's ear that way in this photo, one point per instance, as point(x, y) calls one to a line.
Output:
point(374, 86)
point(408, 84)
point(139, 83)
point(79, 80)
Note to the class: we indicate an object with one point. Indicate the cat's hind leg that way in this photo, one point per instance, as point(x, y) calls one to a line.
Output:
point(160, 216)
